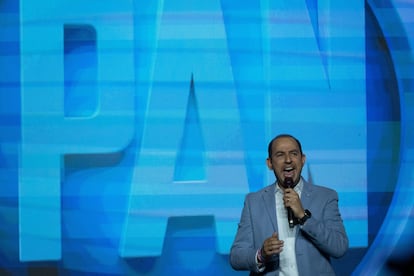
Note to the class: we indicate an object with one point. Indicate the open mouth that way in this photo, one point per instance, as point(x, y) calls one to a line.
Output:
point(289, 172)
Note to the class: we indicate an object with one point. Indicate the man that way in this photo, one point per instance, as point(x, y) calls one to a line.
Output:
point(266, 243)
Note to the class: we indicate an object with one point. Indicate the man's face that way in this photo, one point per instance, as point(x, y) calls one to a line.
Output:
point(286, 160)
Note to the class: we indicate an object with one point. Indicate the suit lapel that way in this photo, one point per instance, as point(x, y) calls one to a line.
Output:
point(269, 202)
point(306, 193)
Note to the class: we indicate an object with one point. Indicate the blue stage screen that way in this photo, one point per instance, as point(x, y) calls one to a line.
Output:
point(131, 132)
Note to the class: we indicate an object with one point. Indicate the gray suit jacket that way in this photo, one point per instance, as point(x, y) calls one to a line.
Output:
point(321, 237)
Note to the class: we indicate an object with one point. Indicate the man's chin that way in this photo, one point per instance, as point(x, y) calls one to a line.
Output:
point(288, 183)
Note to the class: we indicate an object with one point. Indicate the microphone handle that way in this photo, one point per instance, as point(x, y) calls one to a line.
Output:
point(289, 183)
point(290, 217)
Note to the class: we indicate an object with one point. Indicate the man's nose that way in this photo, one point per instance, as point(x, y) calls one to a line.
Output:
point(288, 159)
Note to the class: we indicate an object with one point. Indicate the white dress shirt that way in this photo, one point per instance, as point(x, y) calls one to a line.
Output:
point(287, 258)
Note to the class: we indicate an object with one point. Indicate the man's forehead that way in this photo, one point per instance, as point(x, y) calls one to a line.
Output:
point(285, 143)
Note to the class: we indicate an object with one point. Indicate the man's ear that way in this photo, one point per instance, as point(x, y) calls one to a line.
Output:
point(269, 163)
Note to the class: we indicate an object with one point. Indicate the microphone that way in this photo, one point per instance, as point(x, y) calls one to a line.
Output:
point(289, 184)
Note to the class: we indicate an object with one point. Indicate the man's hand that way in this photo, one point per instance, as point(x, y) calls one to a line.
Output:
point(291, 199)
point(272, 246)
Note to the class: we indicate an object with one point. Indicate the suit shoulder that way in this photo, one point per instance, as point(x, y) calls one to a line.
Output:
point(260, 192)
point(324, 190)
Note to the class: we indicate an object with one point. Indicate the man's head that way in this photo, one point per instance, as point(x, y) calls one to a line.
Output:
point(286, 158)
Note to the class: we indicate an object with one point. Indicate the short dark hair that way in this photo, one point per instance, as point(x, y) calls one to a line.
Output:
point(269, 148)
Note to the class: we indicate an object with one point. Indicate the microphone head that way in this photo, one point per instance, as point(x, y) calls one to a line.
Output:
point(288, 182)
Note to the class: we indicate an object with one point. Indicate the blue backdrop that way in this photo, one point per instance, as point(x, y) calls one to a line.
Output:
point(130, 132)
